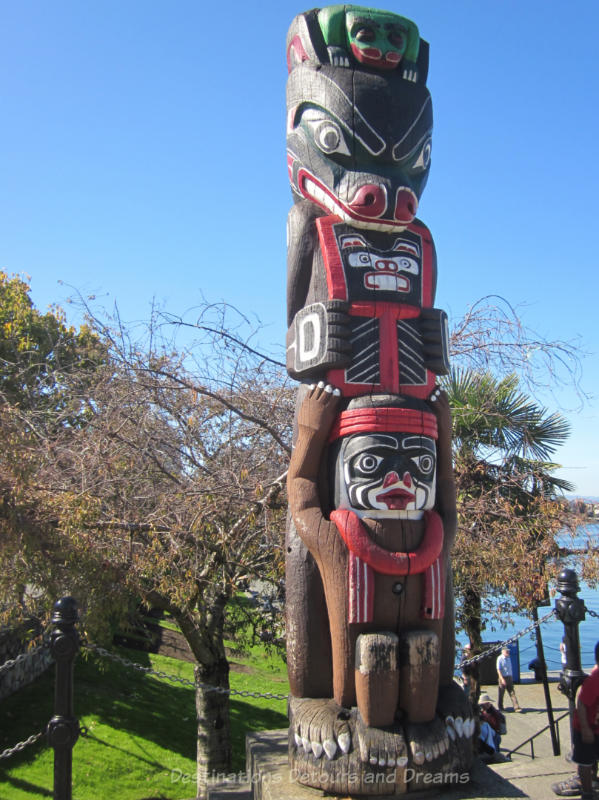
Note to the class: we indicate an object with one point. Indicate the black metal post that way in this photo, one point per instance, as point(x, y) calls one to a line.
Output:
point(570, 610)
point(63, 728)
point(541, 657)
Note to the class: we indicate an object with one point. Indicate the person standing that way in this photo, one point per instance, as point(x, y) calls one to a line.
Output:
point(585, 738)
point(505, 680)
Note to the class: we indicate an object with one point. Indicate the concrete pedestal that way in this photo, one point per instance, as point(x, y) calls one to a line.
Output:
point(267, 764)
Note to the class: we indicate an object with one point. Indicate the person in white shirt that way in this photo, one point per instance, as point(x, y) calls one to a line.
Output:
point(505, 680)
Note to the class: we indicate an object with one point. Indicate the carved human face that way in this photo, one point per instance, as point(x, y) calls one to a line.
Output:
point(388, 474)
point(376, 39)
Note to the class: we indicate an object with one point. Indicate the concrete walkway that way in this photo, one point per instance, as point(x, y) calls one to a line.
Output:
point(522, 775)
point(517, 776)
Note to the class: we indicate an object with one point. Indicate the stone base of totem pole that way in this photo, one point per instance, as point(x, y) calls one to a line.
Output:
point(274, 776)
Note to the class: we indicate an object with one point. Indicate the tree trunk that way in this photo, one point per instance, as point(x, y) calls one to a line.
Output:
point(214, 730)
point(471, 614)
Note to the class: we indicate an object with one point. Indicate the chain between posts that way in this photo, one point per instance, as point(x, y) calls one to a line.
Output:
point(501, 645)
point(591, 613)
point(11, 751)
point(185, 681)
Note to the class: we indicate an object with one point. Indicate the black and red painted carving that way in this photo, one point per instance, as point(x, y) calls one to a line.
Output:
point(370, 624)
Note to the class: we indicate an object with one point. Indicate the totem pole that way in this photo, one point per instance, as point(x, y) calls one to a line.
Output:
point(370, 623)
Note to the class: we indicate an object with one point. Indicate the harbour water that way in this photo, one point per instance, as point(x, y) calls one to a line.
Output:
point(552, 630)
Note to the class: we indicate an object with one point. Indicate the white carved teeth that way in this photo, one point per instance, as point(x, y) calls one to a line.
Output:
point(382, 762)
point(298, 739)
point(336, 208)
point(373, 760)
point(459, 726)
point(436, 749)
point(330, 748)
point(317, 749)
point(449, 723)
point(402, 761)
point(391, 762)
point(344, 740)
point(429, 755)
point(306, 744)
point(470, 731)
point(417, 754)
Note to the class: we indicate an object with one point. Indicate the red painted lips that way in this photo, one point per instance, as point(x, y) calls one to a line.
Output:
point(396, 499)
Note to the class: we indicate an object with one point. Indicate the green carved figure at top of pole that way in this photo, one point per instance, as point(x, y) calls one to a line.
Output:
point(357, 37)
point(377, 39)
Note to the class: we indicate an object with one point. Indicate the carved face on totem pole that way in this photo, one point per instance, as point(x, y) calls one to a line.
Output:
point(367, 167)
point(376, 39)
point(384, 464)
point(359, 137)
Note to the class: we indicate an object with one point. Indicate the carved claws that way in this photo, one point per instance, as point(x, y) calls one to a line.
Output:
point(320, 727)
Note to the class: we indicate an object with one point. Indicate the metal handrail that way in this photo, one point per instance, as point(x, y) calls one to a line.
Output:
point(509, 753)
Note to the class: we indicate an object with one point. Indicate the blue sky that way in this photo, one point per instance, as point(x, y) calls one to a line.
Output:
point(142, 155)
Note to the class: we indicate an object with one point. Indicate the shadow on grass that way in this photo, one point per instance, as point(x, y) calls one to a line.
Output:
point(131, 702)
point(25, 786)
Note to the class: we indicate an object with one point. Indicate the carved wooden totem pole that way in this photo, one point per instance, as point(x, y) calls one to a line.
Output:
point(370, 622)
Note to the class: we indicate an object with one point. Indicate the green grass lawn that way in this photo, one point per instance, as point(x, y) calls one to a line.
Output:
point(141, 729)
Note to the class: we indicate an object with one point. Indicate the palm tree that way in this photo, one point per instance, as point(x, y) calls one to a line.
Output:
point(507, 493)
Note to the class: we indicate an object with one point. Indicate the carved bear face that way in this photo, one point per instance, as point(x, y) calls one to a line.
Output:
point(359, 144)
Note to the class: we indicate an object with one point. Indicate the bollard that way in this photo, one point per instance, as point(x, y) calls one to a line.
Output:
point(63, 728)
point(543, 676)
point(570, 610)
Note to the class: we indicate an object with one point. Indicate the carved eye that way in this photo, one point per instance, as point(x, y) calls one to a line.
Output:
point(365, 35)
point(367, 463)
point(328, 137)
point(424, 157)
point(396, 38)
point(364, 258)
point(408, 265)
point(424, 463)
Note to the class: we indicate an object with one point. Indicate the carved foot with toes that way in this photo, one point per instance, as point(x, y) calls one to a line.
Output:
point(383, 747)
point(428, 741)
point(320, 727)
point(455, 710)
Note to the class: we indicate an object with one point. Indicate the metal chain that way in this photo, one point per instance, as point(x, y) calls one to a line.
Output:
point(509, 641)
point(591, 612)
point(185, 681)
point(22, 657)
point(22, 745)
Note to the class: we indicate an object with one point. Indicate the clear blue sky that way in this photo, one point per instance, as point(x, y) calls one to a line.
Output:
point(142, 155)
